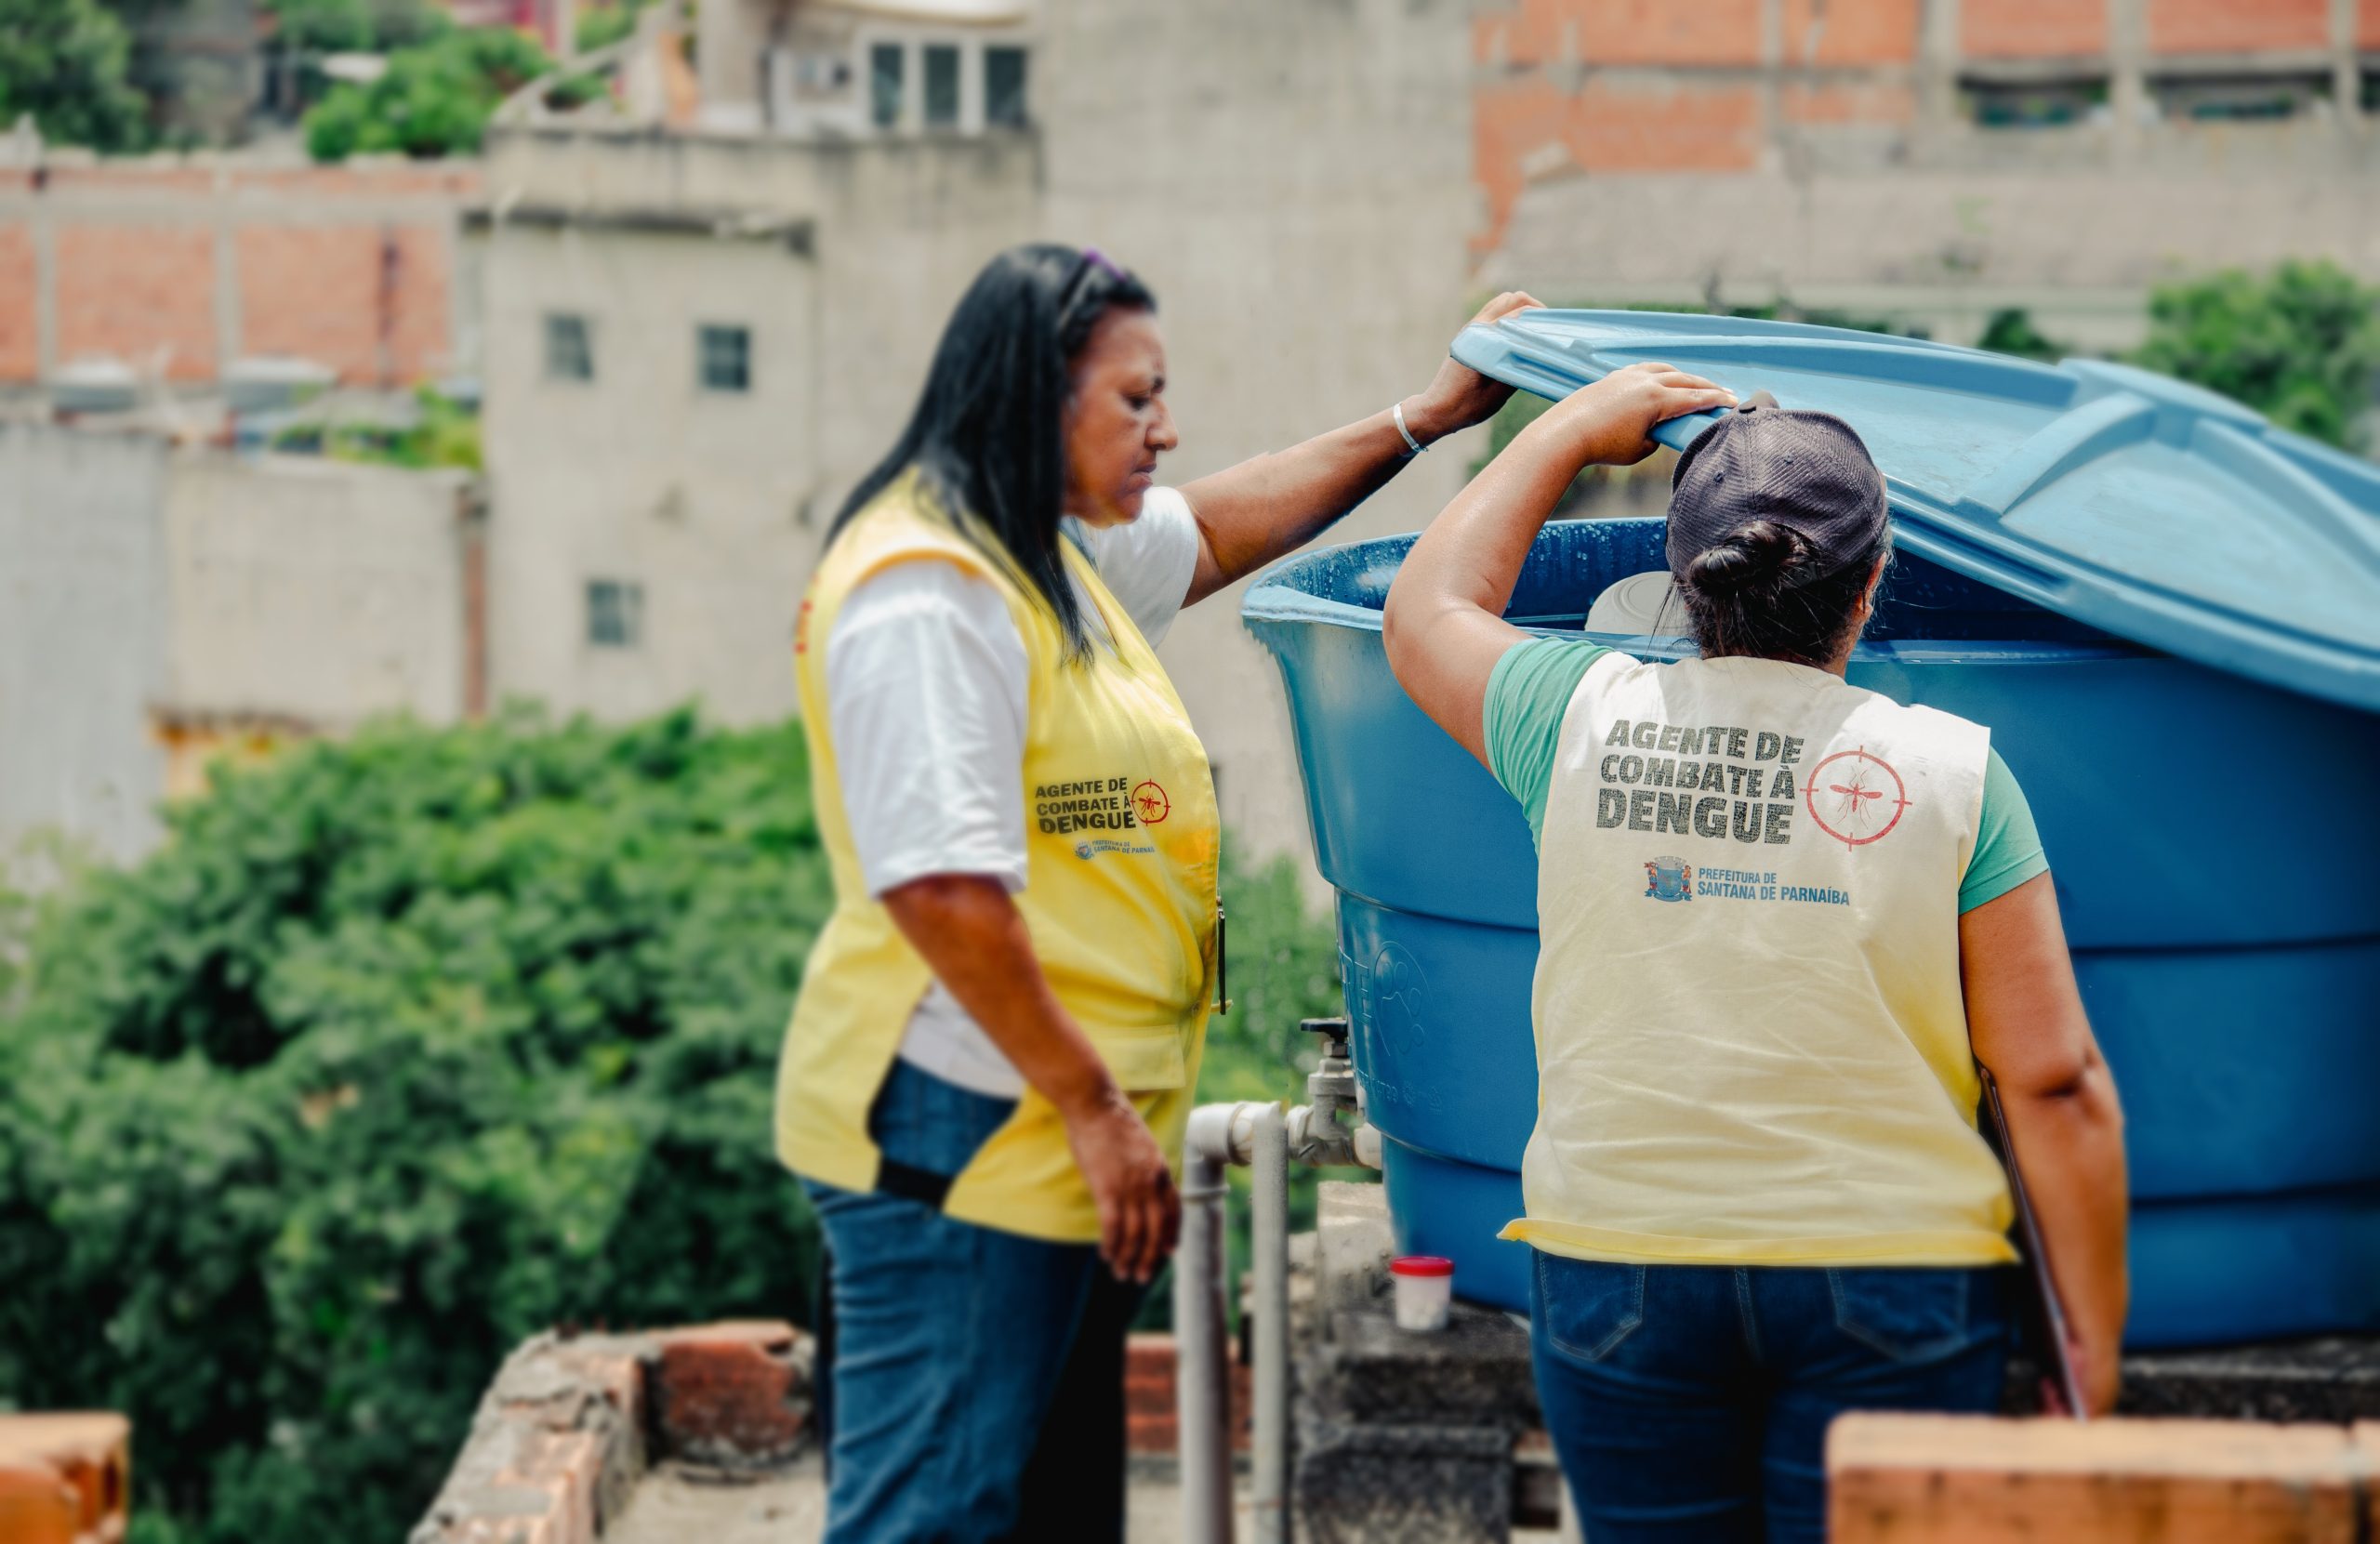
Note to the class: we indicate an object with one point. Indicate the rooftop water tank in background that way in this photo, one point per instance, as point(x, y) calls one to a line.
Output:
point(94, 384)
point(2169, 617)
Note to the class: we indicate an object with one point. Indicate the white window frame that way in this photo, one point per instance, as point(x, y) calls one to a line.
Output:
point(913, 42)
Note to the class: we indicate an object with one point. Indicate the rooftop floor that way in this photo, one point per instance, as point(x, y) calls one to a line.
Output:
point(677, 1502)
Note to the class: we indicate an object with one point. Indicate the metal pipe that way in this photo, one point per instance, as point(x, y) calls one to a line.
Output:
point(1262, 1136)
point(1270, 1246)
point(1202, 1400)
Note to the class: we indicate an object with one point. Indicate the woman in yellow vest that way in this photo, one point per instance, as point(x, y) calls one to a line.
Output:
point(988, 1071)
point(1781, 918)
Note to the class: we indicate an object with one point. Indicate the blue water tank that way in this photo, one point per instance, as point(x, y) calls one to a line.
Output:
point(2169, 617)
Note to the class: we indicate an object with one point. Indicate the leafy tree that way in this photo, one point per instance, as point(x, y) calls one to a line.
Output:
point(340, 26)
point(601, 26)
point(403, 1049)
point(2300, 344)
point(66, 62)
point(399, 1051)
point(2012, 332)
point(435, 99)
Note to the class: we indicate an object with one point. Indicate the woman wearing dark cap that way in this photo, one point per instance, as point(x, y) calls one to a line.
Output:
point(988, 1071)
point(1781, 919)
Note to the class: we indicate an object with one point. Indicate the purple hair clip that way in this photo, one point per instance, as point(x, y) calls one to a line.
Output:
point(1094, 257)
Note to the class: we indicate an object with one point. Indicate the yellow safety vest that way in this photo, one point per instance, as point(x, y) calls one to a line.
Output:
point(1122, 842)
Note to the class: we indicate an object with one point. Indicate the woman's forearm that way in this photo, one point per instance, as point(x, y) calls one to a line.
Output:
point(2070, 1147)
point(1471, 556)
point(2025, 1020)
point(1270, 505)
point(1444, 627)
point(974, 938)
point(975, 941)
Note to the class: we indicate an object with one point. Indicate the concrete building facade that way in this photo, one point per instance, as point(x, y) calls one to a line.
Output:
point(1317, 192)
point(1290, 178)
point(694, 341)
point(1930, 159)
point(162, 606)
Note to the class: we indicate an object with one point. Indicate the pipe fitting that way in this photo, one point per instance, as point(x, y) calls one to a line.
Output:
point(1226, 1133)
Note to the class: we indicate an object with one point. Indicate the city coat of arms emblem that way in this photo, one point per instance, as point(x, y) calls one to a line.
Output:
point(1669, 880)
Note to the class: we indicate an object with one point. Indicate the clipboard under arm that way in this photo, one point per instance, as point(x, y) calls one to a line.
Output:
point(2045, 1310)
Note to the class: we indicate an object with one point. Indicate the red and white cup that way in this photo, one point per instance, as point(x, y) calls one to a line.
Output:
point(1424, 1290)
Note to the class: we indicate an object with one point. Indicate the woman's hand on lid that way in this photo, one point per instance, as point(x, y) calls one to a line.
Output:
point(1140, 1212)
point(1458, 396)
point(1611, 422)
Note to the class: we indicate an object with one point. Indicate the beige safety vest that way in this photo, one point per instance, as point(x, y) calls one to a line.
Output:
point(1752, 1040)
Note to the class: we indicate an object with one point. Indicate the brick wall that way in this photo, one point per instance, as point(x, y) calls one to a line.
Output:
point(565, 1431)
point(1850, 32)
point(19, 318)
point(2031, 29)
point(139, 291)
point(368, 300)
point(1528, 126)
point(65, 1478)
point(349, 266)
point(1848, 103)
point(1620, 33)
point(1152, 1419)
point(2219, 26)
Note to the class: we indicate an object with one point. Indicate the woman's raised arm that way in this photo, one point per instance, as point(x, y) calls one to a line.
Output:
point(1445, 625)
point(1269, 506)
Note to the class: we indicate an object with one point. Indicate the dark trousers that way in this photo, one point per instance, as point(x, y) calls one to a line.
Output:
point(1690, 1403)
point(970, 1382)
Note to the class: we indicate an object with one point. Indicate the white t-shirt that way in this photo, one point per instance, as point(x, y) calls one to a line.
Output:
point(925, 700)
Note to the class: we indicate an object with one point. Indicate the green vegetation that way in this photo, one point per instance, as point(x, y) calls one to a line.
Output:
point(403, 1049)
point(436, 99)
point(446, 434)
point(66, 62)
point(601, 26)
point(2301, 344)
point(355, 26)
point(2012, 332)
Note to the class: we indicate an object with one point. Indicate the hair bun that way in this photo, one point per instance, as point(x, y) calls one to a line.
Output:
point(1757, 553)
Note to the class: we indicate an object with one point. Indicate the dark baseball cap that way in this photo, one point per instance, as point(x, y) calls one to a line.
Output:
point(1805, 471)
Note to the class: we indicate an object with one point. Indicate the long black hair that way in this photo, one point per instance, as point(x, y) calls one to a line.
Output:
point(988, 433)
point(1753, 594)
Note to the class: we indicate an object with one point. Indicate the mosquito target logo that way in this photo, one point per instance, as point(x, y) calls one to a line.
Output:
point(1855, 796)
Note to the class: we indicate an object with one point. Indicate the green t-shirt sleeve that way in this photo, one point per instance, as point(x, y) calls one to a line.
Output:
point(2007, 848)
point(1527, 693)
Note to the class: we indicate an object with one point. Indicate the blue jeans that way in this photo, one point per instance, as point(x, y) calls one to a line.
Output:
point(956, 1346)
point(1691, 1402)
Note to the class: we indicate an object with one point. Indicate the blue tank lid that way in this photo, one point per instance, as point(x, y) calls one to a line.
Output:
point(2147, 507)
